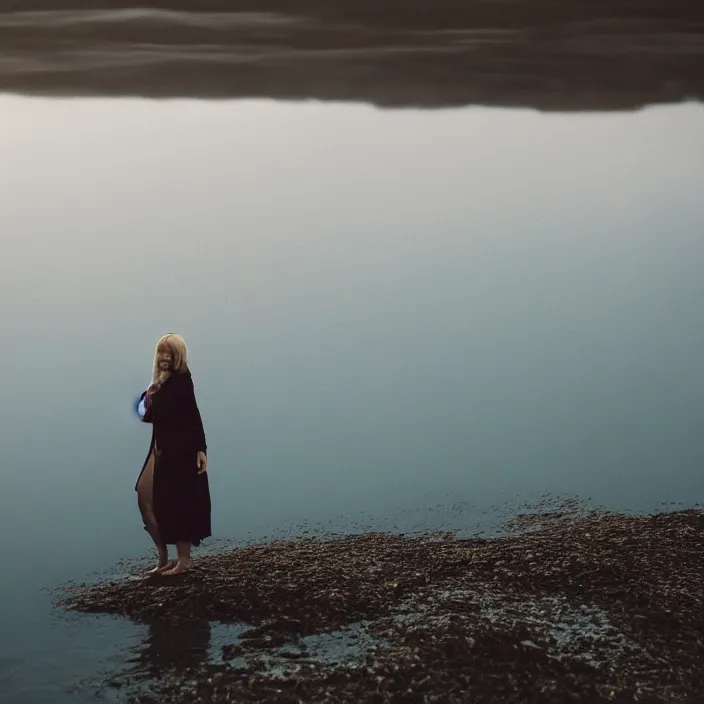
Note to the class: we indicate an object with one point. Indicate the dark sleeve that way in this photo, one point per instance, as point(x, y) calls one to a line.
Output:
point(190, 415)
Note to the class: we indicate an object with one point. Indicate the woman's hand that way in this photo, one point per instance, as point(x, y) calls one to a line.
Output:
point(202, 463)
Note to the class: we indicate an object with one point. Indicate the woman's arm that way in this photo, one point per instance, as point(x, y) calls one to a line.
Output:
point(189, 415)
point(197, 423)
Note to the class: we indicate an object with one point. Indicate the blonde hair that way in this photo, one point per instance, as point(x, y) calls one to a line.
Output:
point(176, 345)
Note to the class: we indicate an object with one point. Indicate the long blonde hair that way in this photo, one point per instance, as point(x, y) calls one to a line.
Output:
point(176, 345)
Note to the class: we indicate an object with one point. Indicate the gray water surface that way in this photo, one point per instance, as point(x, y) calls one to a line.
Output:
point(389, 313)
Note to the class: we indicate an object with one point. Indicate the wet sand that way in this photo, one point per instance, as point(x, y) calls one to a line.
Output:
point(542, 54)
point(566, 606)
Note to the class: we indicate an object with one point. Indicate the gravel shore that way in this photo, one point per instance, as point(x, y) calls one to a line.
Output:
point(605, 607)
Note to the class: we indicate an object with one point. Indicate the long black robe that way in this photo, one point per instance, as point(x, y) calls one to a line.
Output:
point(181, 495)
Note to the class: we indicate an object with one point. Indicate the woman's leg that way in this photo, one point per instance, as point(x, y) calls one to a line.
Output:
point(145, 500)
point(184, 559)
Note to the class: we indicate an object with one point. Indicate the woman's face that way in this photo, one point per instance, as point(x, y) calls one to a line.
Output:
point(164, 360)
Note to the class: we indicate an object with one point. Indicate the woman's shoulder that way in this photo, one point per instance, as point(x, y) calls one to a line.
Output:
point(182, 380)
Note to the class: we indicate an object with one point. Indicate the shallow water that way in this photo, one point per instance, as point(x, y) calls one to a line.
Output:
point(396, 319)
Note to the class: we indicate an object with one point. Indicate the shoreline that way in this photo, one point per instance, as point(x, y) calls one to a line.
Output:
point(595, 607)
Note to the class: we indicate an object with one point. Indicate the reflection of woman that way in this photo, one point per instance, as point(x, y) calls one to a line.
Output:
point(172, 488)
point(173, 646)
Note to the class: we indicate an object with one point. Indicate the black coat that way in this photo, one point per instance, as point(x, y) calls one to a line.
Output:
point(181, 495)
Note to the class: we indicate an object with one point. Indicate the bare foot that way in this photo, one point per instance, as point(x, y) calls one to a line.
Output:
point(180, 568)
point(161, 568)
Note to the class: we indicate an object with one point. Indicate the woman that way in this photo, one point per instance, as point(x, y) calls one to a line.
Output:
point(172, 488)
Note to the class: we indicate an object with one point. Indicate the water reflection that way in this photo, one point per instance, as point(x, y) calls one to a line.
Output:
point(172, 646)
point(437, 54)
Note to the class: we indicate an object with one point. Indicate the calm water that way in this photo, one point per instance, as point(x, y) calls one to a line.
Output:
point(386, 311)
